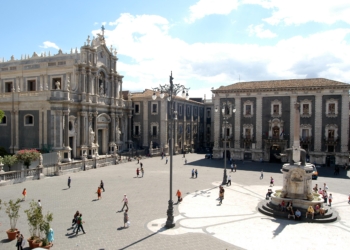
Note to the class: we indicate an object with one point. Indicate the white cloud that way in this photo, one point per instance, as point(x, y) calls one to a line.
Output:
point(48, 44)
point(259, 31)
point(149, 53)
point(209, 7)
point(301, 11)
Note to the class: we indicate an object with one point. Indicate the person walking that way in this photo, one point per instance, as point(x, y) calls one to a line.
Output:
point(137, 172)
point(138, 160)
point(235, 167)
point(325, 196)
point(69, 181)
point(102, 185)
point(178, 194)
point(50, 236)
point(231, 167)
point(261, 175)
point(192, 172)
point(20, 239)
point(330, 199)
point(166, 160)
point(196, 173)
point(228, 180)
point(271, 182)
point(185, 161)
point(80, 224)
point(98, 193)
point(126, 217)
point(24, 193)
point(142, 171)
point(75, 218)
point(221, 194)
point(39, 205)
point(126, 201)
point(141, 164)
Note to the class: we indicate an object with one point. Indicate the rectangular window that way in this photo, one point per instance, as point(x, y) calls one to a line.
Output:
point(208, 112)
point(305, 133)
point(227, 132)
point(180, 109)
point(227, 110)
point(137, 109)
point(56, 83)
point(31, 85)
point(248, 109)
point(247, 133)
point(330, 134)
point(154, 108)
point(154, 130)
point(208, 129)
point(188, 111)
point(137, 130)
point(3, 120)
point(195, 111)
point(8, 87)
point(276, 109)
point(305, 109)
point(331, 108)
point(29, 120)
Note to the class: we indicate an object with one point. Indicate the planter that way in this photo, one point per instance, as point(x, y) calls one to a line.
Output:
point(11, 235)
point(48, 246)
point(33, 244)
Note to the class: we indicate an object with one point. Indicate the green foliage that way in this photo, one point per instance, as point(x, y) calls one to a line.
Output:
point(26, 156)
point(9, 160)
point(12, 210)
point(38, 223)
point(46, 148)
point(2, 114)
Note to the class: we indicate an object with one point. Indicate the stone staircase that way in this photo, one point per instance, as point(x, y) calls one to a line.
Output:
point(267, 208)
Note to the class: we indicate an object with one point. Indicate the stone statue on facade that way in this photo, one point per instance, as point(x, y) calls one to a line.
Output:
point(151, 145)
point(101, 90)
point(58, 157)
point(58, 85)
point(118, 134)
point(40, 160)
point(68, 84)
point(92, 135)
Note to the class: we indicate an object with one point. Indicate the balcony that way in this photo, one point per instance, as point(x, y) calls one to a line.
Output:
point(305, 139)
point(226, 138)
point(331, 140)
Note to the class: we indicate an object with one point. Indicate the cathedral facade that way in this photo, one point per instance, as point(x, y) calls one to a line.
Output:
point(255, 120)
point(71, 103)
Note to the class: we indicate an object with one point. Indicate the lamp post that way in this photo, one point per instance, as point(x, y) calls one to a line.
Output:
point(171, 90)
point(225, 116)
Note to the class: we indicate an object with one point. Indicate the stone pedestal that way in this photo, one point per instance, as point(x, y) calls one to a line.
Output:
point(92, 151)
point(66, 154)
point(112, 148)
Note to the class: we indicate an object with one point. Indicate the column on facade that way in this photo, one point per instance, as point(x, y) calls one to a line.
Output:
point(144, 123)
point(58, 128)
point(129, 127)
point(112, 88)
point(83, 77)
point(216, 121)
point(83, 128)
point(192, 142)
point(112, 134)
point(95, 114)
point(258, 123)
point(238, 115)
point(318, 123)
point(78, 131)
point(293, 100)
point(66, 128)
point(344, 122)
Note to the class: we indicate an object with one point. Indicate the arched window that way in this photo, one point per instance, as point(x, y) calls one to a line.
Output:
point(3, 121)
point(28, 120)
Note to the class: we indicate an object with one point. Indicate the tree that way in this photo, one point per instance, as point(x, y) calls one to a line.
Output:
point(9, 160)
point(26, 156)
point(2, 114)
point(12, 210)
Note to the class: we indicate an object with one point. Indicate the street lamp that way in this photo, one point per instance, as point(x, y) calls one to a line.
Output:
point(225, 115)
point(171, 90)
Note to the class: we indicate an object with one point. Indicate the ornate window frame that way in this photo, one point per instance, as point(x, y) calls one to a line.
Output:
point(33, 79)
point(228, 105)
point(157, 111)
point(229, 127)
point(53, 80)
point(137, 124)
point(139, 104)
point(276, 102)
point(331, 127)
point(335, 102)
point(245, 104)
point(180, 108)
point(188, 110)
point(154, 124)
point(307, 127)
point(248, 126)
point(302, 113)
point(25, 122)
point(276, 122)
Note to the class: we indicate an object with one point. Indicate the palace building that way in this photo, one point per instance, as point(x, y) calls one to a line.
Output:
point(255, 119)
point(71, 103)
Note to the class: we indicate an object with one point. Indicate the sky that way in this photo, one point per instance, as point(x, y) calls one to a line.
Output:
point(205, 43)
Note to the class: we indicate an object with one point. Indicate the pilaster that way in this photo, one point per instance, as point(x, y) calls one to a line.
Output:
point(237, 122)
point(344, 122)
point(293, 100)
point(258, 124)
point(318, 122)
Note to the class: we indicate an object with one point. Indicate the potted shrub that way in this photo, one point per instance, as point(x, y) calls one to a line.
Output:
point(9, 160)
point(12, 210)
point(45, 228)
point(27, 156)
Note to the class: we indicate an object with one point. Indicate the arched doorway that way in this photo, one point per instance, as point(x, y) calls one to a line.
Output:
point(275, 150)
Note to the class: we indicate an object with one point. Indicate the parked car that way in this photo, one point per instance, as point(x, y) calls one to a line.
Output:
point(314, 173)
point(208, 156)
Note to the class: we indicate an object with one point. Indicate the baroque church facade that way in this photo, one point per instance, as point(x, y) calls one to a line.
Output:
point(71, 103)
point(255, 120)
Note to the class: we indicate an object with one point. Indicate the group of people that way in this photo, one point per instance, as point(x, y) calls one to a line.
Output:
point(99, 190)
point(140, 170)
point(324, 194)
point(194, 173)
point(77, 223)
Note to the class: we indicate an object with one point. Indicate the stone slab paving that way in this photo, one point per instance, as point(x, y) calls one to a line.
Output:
point(201, 223)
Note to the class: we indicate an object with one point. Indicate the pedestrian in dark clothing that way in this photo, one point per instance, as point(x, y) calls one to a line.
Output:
point(20, 239)
point(192, 173)
point(75, 218)
point(141, 164)
point(228, 180)
point(142, 171)
point(137, 172)
point(80, 224)
point(235, 167)
point(69, 181)
point(126, 217)
point(166, 160)
point(221, 194)
point(196, 173)
point(102, 185)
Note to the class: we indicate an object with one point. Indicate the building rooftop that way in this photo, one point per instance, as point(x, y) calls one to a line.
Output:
point(147, 93)
point(281, 84)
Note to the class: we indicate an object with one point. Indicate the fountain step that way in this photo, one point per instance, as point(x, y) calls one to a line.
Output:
point(273, 207)
point(265, 207)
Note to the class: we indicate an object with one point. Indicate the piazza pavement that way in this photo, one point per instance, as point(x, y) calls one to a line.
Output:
point(201, 223)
